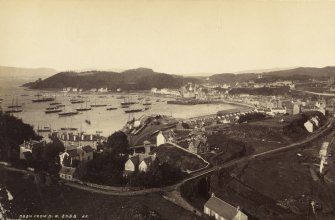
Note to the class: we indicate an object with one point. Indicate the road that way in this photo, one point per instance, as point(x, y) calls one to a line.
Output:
point(174, 190)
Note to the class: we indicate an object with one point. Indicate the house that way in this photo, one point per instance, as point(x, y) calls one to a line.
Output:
point(145, 164)
point(309, 125)
point(102, 90)
point(67, 173)
point(160, 139)
point(278, 110)
point(69, 157)
point(86, 153)
point(292, 108)
point(222, 210)
point(27, 148)
point(198, 145)
point(138, 162)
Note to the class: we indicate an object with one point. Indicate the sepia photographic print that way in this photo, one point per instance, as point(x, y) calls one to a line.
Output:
point(167, 110)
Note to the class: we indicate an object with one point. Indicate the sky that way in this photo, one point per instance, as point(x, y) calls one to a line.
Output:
point(179, 37)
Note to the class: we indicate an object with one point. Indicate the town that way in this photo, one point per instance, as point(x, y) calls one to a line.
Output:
point(160, 153)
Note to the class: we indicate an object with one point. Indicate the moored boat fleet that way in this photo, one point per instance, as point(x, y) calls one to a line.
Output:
point(58, 107)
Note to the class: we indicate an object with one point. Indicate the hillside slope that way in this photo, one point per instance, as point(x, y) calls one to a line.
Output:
point(133, 79)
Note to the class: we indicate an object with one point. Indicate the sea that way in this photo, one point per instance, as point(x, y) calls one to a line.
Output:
point(19, 195)
point(101, 121)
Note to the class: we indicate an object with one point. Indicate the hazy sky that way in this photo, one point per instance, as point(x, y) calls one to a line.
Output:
point(168, 36)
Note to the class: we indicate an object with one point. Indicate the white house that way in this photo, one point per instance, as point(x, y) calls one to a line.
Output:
point(222, 210)
point(160, 139)
point(102, 90)
point(309, 126)
point(145, 164)
point(138, 162)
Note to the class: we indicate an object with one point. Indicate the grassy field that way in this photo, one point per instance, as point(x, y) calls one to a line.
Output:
point(285, 179)
point(179, 158)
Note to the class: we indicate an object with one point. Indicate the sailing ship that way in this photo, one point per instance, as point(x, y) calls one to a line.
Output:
point(147, 103)
point(75, 101)
point(71, 113)
point(127, 102)
point(111, 108)
point(98, 105)
point(14, 108)
point(52, 110)
point(44, 99)
point(43, 129)
point(55, 103)
point(133, 110)
point(82, 109)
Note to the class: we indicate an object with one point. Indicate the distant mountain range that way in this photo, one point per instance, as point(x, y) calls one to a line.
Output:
point(7, 72)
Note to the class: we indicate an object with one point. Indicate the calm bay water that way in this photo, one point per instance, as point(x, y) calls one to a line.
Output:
point(101, 119)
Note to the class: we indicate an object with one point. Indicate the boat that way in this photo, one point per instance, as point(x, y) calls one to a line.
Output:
point(64, 114)
point(111, 108)
point(127, 102)
point(125, 106)
point(73, 101)
point(147, 103)
point(44, 99)
point(13, 111)
point(121, 97)
point(14, 108)
point(88, 121)
point(44, 129)
point(98, 105)
point(52, 110)
point(16, 105)
point(55, 103)
point(146, 108)
point(133, 110)
point(69, 129)
point(83, 109)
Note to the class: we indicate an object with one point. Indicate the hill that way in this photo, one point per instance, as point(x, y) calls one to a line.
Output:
point(133, 79)
point(300, 73)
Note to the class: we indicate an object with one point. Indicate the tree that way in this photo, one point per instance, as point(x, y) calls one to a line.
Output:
point(117, 143)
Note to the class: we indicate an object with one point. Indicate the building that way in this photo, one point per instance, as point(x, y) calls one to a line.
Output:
point(145, 164)
point(86, 153)
point(102, 90)
point(309, 125)
point(222, 210)
point(278, 110)
point(67, 173)
point(79, 154)
point(160, 139)
point(27, 148)
point(138, 162)
point(198, 145)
